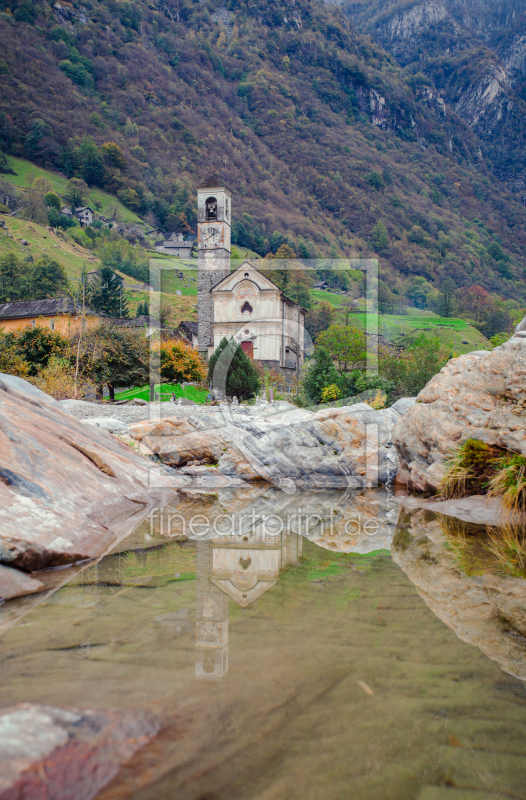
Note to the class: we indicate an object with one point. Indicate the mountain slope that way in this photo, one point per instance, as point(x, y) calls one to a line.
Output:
point(474, 51)
point(318, 131)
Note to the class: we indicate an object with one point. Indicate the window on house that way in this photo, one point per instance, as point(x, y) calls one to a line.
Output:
point(52, 325)
point(246, 275)
point(246, 308)
point(33, 323)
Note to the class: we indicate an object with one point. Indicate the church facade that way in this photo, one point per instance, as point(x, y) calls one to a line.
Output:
point(243, 304)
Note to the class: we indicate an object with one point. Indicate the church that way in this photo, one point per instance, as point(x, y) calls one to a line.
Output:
point(242, 304)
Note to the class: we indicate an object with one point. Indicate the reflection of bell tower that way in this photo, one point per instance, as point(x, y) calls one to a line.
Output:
point(211, 625)
point(214, 219)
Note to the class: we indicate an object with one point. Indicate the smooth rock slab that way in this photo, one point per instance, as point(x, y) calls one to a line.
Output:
point(67, 491)
point(51, 753)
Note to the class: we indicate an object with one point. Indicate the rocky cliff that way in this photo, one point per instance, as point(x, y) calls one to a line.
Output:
point(474, 52)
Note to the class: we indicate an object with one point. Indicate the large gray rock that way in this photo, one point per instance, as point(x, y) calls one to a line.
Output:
point(67, 491)
point(481, 395)
point(20, 385)
point(281, 444)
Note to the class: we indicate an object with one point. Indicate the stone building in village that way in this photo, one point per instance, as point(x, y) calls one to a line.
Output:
point(244, 303)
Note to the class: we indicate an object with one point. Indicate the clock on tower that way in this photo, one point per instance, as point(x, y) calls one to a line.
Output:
point(213, 252)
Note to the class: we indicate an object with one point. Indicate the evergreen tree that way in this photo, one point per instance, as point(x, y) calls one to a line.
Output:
point(236, 374)
point(108, 294)
point(379, 237)
point(46, 278)
point(321, 373)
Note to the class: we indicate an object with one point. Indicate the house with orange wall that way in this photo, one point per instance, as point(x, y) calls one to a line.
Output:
point(60, 314)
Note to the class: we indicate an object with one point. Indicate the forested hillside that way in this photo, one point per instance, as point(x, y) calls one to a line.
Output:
point(322, 136)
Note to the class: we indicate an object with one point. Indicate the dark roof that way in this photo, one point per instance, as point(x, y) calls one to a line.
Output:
point(190, 326)
point(213, 182)
point(50, 307)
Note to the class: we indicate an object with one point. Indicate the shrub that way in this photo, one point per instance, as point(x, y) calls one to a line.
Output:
point(320, 373)
point(59, 380)
point(331, 392)
point(180, 362)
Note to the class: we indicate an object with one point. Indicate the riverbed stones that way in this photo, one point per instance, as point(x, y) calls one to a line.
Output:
point(279, 443)
point(48, 752)
point(67, 491)
point(481, 395)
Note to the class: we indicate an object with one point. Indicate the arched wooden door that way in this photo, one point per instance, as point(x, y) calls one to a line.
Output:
point(248, 348)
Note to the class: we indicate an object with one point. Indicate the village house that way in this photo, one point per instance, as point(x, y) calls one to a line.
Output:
point(188, 331)
point(84, 214)
point(176, 245)
point(59, 314)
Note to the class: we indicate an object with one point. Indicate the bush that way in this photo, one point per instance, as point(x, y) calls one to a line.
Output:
point(320, 374)
point(58, 380)
point(36, 346)
point(180, 362)
point(11, 362)
point(411, 369)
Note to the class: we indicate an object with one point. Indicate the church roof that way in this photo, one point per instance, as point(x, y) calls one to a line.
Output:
point(246, 264)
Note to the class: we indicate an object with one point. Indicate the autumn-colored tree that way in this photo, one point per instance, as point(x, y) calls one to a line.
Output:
point(180, 362)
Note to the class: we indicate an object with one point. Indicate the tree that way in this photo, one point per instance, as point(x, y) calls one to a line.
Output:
point(180, 362)
point(107, 294)
point(52, 200)
point(114, 156)
point(46, 278)
point(412, 368)
point(345, 344)
point(13, 278)
point(8, 193)
point(447, 303)
point(11, 362)
point(37, 345)
point(379, 237)
point(142, 310)
point(115, 357)
point(320, 374)
point(319, 318)
point(241, 378)
point(75, 193)
point(387, 299)
point(92, 166)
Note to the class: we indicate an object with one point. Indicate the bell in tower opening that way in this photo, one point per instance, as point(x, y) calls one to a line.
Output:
point(211, 209)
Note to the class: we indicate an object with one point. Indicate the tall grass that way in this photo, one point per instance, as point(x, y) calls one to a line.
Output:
point(469, 469)
point(509, 482)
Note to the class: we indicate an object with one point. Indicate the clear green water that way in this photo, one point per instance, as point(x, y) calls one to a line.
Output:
point(283, 667)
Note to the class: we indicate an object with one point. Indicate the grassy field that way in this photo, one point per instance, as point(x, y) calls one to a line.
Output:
point(165, 390)
point(457, 334)
point(42, 241)
point(26, 172)
point(182, 308)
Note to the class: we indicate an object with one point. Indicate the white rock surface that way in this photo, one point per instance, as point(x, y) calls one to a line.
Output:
point(481, 395)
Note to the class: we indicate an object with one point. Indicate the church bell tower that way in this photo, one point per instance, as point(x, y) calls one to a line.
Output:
point(214, 219)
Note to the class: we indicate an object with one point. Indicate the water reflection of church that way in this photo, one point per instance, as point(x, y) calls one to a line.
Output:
point(237, 566)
